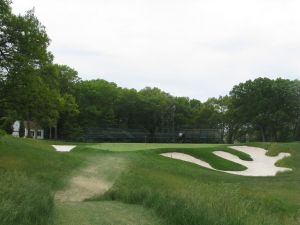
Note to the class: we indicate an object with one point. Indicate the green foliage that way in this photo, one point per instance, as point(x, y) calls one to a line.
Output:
point(2, 133)
point(51, 95)
point(6, 123)
point(31, 88)
point(96, 101)
point(104, 104)
point(267, 107)
point(23, 55)
point(155, 106)
point(261, 109)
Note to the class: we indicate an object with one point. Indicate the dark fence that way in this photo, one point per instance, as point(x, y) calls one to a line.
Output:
point(115, 135)
point(142, 135)
point(203, 135)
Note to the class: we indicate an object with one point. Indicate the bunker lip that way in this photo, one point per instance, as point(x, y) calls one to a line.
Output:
point(262, 165)
point(187, 158)
point(63, 148)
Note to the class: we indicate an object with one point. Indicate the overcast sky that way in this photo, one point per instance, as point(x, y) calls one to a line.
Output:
point(194, 48)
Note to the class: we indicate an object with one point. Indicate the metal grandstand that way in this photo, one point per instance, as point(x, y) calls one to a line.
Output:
point(142, 135)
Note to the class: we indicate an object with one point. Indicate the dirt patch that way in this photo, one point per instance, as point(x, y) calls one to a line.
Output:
point(94, 179)
point(82, 187)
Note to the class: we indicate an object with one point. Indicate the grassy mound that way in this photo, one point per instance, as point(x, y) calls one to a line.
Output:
point(30, 172)
point(206, 154)
point(184, 193)
point(104, 213)
point(177, 192)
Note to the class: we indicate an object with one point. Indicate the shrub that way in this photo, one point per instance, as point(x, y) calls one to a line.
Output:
point(2, 133)
point(6, 124)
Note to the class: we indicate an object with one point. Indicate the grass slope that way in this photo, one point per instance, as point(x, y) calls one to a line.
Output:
point(176, 192)
point(207, 155)
point(184, 193)
point(30, 171)
point(96, 176)
point(104, 213)
point(125, 147)
point(100, 170)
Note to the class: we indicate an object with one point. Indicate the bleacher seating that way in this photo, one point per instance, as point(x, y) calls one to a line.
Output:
point(142, 135)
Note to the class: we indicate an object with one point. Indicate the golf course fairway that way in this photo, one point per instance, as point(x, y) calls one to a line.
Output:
point(133, 184)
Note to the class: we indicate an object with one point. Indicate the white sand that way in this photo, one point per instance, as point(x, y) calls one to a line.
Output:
point(64, 148)
point(262, 165)
point(187, 158)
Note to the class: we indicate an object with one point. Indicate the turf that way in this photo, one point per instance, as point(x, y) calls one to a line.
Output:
point(104, 213)
point(145, 188)
point(206, 154)
point(121, 147)
point(30, 171)
point(184, 193)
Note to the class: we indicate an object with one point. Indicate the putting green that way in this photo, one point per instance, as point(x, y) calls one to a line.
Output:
point(119, 147)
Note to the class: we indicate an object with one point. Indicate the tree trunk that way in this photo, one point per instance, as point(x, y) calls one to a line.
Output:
point(28, 128)
point(230, 134)
point(50, 133)
point(230, 137)
point(295, 132)
point(55, 131)
point(263, 134)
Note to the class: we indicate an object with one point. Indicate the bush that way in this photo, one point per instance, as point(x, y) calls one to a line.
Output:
point(6, 124)
point(2, 133)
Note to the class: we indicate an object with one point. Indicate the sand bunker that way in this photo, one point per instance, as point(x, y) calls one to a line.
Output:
point(64, 148)
point(262, 165)
point(187, 158)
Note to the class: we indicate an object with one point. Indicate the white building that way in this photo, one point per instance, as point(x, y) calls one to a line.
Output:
point(36, 131)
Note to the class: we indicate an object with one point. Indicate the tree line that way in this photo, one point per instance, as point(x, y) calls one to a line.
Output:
point(33, 88)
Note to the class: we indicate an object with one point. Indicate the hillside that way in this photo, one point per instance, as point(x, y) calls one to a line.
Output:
point(39, 186)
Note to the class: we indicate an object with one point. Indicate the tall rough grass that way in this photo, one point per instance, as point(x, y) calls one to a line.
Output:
point(204, 204)
point(23, 200)
point(184, 194)
point(179, 192)
point(30, 172)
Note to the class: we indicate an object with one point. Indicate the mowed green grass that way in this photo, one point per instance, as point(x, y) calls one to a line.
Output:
point(192, 149)
point(101, 169)
point(121, 147)
point(184, 193)
point(31, 171)
point(150, 190)
point(104, 213)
